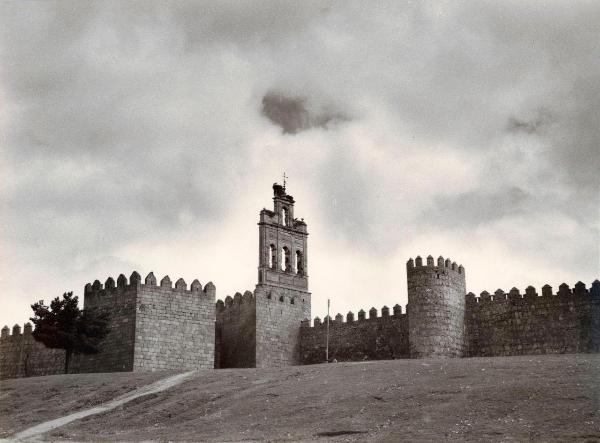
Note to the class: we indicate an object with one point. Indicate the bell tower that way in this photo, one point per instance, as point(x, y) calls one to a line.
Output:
point(282, 244)
point(282, 297)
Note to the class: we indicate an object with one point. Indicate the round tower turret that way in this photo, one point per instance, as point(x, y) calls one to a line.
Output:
point(436, 308)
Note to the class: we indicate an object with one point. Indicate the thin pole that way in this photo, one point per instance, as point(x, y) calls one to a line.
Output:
point(327, 344)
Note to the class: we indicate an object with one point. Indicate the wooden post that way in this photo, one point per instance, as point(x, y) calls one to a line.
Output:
point(327, 339)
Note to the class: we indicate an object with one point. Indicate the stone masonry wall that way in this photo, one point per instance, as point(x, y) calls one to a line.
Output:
point(236, 332)
point(436, 308)
point(150, 328)
point(174, 327)
point(116, 350)
point(279, 313)
point(22, 356)
point(515, 324)
point(29, 357)
point(373, 338)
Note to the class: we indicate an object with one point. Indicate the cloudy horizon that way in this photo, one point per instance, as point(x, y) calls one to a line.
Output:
point(147, 135)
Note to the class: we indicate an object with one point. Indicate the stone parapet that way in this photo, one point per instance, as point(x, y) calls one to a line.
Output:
point(515, 323)
point(382, 337)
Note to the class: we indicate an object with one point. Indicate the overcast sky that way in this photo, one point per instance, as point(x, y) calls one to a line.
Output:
point(147, 135)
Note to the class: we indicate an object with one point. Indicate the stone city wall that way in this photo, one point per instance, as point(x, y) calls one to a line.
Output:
point(515, 324)
point(22, 356)
point(174, 326)
point(373, 338)
point(279, 314)
point(150, 328)
point(116, 350)
point(236, 332)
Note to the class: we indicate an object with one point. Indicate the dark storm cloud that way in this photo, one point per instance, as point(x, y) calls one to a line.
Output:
point(530, 126)
point(292, 114)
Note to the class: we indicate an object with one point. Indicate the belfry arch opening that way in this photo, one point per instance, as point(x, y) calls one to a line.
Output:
point(299, 263)
point(285, 214)
point(286, 262)
point(272, 257)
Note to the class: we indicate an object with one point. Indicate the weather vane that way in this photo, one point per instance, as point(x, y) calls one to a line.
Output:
point(284, 178)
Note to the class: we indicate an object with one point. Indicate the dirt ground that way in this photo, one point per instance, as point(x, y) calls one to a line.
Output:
point(26, 402)
point(540, 398)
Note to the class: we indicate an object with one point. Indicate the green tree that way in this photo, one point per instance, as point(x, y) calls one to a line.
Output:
point(63, 325)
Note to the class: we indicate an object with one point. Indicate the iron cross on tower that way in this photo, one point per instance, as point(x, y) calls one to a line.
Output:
point(284, 178)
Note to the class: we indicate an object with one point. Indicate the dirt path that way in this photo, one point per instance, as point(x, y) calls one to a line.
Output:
point(32, 433)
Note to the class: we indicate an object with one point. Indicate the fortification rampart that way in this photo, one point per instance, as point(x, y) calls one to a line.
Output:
point(501, 324)
point(22, 356)
point(279, 313)
point(116, 350)
point(161, 326)
point(236, 331)
point(151, 327)
point(175, 326)
point(436, 308)
point(356, 339)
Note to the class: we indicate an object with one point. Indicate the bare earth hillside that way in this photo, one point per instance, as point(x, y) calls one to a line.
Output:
point(543, 398)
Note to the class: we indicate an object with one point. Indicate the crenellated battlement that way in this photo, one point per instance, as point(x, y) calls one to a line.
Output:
point(22, 356)
point(516, 322)
point(441, 266)
point(97, 289)
point(370, 335)
point(16, 331)
point(237, 300)
point(340, 320)
point(531, 295)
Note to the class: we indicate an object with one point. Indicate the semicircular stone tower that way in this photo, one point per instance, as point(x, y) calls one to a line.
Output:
point(436, 308)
